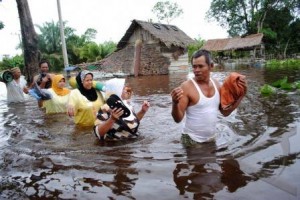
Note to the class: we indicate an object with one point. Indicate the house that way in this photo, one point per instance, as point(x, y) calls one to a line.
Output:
point(149, 49)
point(251, 43)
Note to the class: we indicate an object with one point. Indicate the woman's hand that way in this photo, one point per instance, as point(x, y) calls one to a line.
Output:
point(71, 111)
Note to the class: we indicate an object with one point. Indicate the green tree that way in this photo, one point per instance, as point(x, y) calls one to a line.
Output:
point(274, 18)
point(107, 48)
point(278, 35)
point(295, 36)
point(75, 44)
point(195, 46)
point(8, 63)
point(49, 38)
point(90, 52)
point(165, 10)
point(50, 44)
point(247, 16)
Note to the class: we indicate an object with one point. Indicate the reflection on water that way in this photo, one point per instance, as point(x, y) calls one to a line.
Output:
point(46, 156)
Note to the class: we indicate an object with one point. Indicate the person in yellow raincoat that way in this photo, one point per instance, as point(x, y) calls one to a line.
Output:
point(60, 96)
point(84, 101)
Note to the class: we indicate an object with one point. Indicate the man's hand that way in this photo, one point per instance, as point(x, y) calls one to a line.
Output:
point(46, 78)
point(25, 90)
point(176, 95)
point(145, 106)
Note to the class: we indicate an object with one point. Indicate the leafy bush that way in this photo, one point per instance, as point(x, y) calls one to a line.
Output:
point(267, 90)
point(8, 63)
point(283, 64)
point(283, 84)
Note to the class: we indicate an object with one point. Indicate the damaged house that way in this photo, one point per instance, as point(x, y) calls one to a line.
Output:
point(253, 44)
point(149, 49)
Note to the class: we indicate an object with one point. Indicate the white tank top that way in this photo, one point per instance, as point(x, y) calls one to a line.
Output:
point(202, 117)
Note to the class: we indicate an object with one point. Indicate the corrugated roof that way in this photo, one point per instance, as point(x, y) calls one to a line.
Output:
point(167, 34)
point(233, 43)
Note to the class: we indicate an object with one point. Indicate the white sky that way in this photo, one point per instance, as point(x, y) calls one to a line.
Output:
point(110, 18)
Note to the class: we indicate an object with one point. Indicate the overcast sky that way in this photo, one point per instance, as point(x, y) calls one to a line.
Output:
point(110, 18)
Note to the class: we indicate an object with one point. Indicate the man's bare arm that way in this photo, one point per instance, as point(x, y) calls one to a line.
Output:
point(179, 103)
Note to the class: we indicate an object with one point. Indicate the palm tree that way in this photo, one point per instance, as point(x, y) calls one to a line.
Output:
point(49, 39)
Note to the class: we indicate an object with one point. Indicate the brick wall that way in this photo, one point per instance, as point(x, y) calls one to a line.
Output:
point(152, 61)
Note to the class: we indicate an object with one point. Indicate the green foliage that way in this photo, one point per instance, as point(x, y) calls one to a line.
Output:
point(284, 84)
point(49, 39)
point(16, 61)
point(283, 64)
point(297, 85)
point(107, 48)
point(267, 90)
point(279, 82)
point(277, 31)
point(268, 33)
point(79, 48)
point(90, 52)
point(194, 47)
point(295, 36)
point(89, 35)
point(165, 10)
point(278, 20)
point(56, 62)
point(230, 14)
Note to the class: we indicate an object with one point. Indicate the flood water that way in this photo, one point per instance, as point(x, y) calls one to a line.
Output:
point(47, 157)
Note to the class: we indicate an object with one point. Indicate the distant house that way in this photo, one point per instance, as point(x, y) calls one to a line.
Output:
point(149, 49)
point(252, 43)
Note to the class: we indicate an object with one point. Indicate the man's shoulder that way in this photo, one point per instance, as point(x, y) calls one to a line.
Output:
point(187, 84)
point(36, 75)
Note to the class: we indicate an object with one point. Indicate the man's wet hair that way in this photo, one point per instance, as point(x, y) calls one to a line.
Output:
point(205, 53)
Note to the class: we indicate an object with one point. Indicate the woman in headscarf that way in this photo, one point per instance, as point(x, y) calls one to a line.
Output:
point(85, 101)
point(110, 123)
point(60, 95)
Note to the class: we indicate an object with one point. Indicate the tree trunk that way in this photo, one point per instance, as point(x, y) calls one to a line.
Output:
point(29, 40)
point(285, 48)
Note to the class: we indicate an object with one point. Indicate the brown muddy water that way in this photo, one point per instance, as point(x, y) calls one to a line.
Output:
point(47, 157)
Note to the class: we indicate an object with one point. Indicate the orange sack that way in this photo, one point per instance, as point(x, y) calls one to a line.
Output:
point(231, 90)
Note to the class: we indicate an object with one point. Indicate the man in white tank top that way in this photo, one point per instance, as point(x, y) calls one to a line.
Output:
point(199, 98)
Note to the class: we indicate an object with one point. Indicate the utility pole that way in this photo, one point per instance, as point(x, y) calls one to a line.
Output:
point(62, 37)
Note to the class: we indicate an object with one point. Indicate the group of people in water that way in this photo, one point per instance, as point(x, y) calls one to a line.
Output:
point(84, 103)
point(198, 99)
